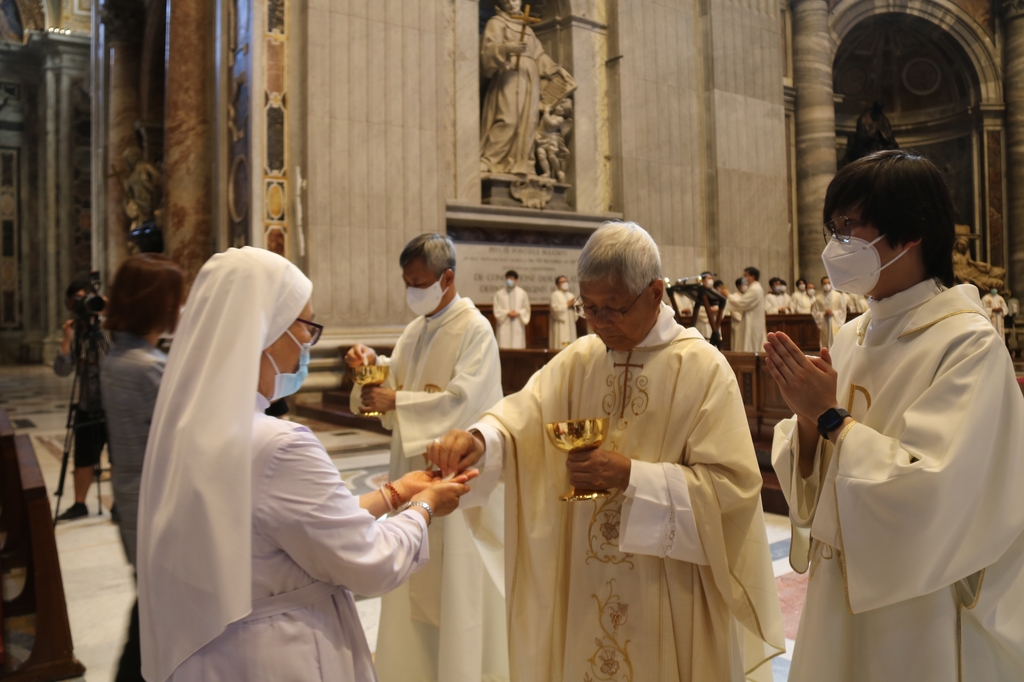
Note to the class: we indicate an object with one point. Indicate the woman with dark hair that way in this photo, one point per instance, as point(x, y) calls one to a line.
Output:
point(903, 464)
point(145, 298)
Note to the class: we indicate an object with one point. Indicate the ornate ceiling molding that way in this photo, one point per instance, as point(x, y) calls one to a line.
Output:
point(1012, 9)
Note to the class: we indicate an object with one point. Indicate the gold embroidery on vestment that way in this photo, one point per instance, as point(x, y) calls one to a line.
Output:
point(627, 390)
point(603, 534)
point(610, 662)
point(854, 389)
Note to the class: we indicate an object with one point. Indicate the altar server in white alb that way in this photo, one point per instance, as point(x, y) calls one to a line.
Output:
point(668, 578)
point(777, 301)
point(562, 328)
point(448, 622)
point(829, 312)
point(750, 302)
point(903, 465)
point(511, 312)
point(995, 307)
point(801, 300)
point(249, 543)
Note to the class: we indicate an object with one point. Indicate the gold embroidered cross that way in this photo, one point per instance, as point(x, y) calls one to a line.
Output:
point(527, 20)
point(625, 381)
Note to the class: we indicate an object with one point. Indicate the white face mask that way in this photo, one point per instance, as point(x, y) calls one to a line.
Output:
point(810, 292)
point(854, 267)
point(709, 284)
point(424, 301)
point(826, 288)
point(564, 286)
point(801, 287)
point(779, 290)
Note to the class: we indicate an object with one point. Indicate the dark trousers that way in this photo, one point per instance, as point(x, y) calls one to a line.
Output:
point(130, 667)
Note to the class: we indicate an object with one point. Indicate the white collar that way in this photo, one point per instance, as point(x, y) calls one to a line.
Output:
point(904, 301)
point(665, 330)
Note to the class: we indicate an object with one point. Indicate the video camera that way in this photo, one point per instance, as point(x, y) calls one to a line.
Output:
point(89, 305)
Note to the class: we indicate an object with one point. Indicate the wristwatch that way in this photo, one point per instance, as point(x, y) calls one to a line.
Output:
point(430, 512)
point(832, 419)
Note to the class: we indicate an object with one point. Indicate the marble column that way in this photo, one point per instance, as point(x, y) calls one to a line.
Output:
point(188, 136)
point(123, 28)
point(1013, 94)
point(815, 127)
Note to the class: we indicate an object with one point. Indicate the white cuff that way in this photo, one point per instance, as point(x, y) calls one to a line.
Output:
point(657, 517)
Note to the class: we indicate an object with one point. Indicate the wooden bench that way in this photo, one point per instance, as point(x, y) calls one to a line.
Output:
point(30, 543)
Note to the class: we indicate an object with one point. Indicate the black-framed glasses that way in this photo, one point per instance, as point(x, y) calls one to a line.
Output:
point(613, 315)
point(315, 330)
point(841, 229)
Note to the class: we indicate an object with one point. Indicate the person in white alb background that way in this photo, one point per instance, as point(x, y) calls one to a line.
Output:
point(511, 313)
point(777, 301)
point(801, 301)
point(562, 327)
point(829, 311)
point(995, 305)
point(902, 467)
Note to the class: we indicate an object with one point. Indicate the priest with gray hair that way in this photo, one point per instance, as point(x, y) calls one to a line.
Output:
point(667, 576)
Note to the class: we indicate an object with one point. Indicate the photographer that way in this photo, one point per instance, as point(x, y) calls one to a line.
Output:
point(145, 298)
point(83, 349)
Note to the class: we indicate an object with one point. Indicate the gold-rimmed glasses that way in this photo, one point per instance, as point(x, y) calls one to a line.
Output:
point(613, 315)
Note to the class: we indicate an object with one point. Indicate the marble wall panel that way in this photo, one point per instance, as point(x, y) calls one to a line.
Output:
point(375, 152)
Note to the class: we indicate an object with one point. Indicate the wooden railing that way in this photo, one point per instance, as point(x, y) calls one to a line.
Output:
point(30, 544)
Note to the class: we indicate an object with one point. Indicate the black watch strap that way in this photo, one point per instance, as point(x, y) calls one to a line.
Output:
point(831, 420)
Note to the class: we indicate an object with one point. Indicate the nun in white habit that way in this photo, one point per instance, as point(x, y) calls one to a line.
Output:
point(250, 545)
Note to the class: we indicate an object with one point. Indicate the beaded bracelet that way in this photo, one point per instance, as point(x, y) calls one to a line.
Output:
point(396, 499)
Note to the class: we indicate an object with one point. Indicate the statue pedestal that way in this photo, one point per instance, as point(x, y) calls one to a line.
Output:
point(524, 191)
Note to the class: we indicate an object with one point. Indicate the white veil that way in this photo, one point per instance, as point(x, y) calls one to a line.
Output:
point(195, 511)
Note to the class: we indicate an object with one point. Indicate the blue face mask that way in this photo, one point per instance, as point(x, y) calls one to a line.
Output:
point(286, 384)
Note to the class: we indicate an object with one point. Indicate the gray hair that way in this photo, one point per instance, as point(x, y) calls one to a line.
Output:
point(437, 250)
point(621, 250)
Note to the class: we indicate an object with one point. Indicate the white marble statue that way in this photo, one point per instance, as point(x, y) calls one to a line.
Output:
point(555, 126)
point(515, 63)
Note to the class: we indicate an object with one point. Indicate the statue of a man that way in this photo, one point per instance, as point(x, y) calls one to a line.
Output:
point(143, 189)
point(511, 106)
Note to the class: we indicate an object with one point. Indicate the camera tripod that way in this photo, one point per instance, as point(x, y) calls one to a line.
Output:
point(87, 348)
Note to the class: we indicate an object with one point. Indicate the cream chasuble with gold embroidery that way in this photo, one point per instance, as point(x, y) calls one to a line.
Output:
point(670, 580)
point(446, 623)
point(913, 525)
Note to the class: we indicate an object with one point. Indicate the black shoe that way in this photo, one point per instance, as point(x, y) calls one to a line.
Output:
point(75, 511)
point(115, 516)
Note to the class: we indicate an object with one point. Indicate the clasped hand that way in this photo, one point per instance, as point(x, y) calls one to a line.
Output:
point(377, 399)
point(426, 486)
point(808, 384)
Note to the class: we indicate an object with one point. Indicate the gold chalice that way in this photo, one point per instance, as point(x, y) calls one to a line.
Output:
point(370, 375)
point(578, 435)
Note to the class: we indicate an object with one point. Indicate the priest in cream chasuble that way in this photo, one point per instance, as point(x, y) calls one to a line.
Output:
point(668, 578)
point(904, 464)
point(447, 623)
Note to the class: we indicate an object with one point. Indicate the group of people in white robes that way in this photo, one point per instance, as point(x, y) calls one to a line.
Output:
point(900, 466)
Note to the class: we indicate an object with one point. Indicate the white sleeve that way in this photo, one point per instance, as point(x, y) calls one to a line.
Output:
point(657, 518)
point(490, 465)
point(524, 311)
point(303, 507)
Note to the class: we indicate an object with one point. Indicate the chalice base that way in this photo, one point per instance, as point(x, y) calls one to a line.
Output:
point(580, 494)
point(364, 413)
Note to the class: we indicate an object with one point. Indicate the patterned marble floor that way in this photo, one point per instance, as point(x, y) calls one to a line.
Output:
point(98, 581)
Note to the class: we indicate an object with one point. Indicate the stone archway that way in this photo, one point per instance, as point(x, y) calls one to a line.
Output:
point(974, 39)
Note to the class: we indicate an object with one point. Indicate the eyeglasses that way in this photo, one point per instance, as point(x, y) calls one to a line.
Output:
point(841, 229)
point(613, 315)
point(315, 330)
